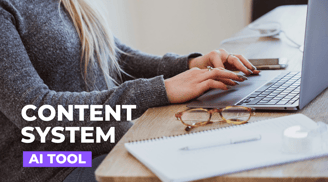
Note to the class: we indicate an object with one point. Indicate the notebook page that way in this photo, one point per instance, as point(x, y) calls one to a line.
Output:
point(164, 157)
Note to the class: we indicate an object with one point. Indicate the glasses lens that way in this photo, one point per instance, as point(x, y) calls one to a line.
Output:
point(236, 114)
point(192, 117)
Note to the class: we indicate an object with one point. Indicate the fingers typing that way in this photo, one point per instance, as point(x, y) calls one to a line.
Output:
point(212, 84)
point(239, 65)
point(228, 81)
point(222, 73)
point(247, 64)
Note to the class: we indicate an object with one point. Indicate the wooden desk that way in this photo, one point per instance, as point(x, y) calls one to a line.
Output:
point(119, 165)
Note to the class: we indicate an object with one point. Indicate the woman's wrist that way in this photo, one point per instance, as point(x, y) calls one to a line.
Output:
point(193, 56)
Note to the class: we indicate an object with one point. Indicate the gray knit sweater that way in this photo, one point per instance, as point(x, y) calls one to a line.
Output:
point(40, 64)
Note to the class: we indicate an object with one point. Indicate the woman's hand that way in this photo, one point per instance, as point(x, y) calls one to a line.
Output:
point(194, 82)
point(222, 59)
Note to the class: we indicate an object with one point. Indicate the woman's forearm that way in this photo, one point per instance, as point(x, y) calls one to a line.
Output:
point(142, 65)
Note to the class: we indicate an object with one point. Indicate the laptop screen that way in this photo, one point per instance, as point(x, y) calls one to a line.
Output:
point(315, 58)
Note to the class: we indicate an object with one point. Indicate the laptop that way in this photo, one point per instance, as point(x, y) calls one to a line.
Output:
point(281, 90)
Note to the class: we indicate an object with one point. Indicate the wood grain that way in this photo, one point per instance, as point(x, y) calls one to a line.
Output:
point(119, 165)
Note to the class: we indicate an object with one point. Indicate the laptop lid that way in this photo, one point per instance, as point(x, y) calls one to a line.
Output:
point(315, 58)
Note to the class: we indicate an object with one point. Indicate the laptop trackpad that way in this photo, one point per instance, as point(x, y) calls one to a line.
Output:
point(220, 98)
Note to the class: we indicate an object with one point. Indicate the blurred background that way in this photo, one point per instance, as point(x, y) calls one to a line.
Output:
point(183, 26)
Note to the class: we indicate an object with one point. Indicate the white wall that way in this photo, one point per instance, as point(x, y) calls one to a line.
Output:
point(180, 26)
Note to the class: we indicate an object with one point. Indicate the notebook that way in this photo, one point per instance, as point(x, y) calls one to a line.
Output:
point(164, 157)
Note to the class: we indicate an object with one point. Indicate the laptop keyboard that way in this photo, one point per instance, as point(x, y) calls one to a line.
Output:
point(284, 90)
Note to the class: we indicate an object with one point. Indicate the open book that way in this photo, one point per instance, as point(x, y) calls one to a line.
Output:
point(165, 158)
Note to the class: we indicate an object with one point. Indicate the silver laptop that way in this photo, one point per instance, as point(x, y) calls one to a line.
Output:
point(287, 90)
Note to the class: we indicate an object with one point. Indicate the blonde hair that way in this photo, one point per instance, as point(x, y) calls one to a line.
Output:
point(96, 38)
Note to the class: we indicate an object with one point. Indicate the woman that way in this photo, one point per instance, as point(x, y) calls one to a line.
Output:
point(60, 52)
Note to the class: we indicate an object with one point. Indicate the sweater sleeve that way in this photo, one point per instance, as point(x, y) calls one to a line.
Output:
point(142, 65)
point(20, 85)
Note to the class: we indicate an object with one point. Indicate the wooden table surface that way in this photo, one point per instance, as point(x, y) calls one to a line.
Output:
point(119, 165)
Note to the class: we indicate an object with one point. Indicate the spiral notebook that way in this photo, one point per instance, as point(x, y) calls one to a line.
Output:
point(164, 157)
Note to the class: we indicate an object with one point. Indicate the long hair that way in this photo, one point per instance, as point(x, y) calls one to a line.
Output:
point(96, 38)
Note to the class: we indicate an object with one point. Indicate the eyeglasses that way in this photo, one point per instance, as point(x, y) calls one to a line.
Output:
point(193, 118)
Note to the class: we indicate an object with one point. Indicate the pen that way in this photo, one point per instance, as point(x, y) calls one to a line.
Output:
point(230, 141)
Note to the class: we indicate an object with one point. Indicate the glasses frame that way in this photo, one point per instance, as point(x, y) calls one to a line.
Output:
point(178, 115)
